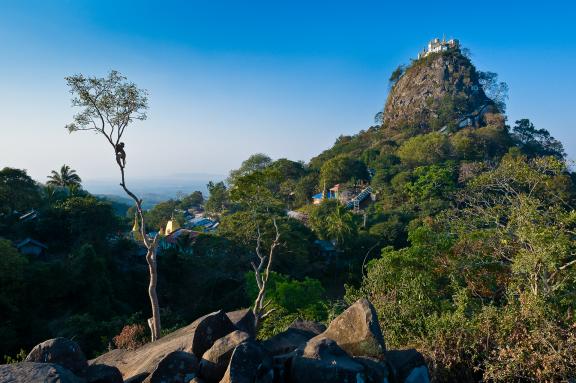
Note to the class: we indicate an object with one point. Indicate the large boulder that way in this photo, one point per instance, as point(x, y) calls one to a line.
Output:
point(306, 370)
point(324, 361)
point(407, 366)
point(137, 364)
point(306, 325)
point(249, 364)
point(375, 371)
point(213, 327)
point(323, 348)
point(286, 341)
point(32, 372)
point(62, 351)
point(101, 373)
point(215, 361)
point(243, 320)
point(357, 331)
point(176, 367)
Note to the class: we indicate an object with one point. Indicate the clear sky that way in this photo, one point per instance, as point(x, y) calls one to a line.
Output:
point(231, 78)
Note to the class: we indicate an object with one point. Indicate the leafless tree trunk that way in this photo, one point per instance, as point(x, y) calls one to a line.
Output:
point(262, 274)
point(151, 252)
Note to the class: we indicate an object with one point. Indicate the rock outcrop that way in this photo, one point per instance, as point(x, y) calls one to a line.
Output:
point(243, 320)
point(61, 351)
point(248, 364)
point(417, 97)
point(32, 372)
point(310, 326)
point(195, 338)
point(176, 367)
point(357, 331)
point(350, 350)
point(213, 327)
point(215, 361)
point(101, 373)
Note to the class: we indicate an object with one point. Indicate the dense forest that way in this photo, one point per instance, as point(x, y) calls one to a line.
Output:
point(466, 247)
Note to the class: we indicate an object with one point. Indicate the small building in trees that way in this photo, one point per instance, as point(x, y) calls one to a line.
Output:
point(332, 193)
point(28, 216)
point(32, 247)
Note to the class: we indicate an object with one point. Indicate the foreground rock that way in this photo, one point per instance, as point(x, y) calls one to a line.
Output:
point(176, 367)
point(199, 336)
point(61, 351)
point(213, 327)
point(249, 364)
point(357, 331)
point(310, 326)
point(101, 373)
point(350, 350)
point(408, 366)
point(324, 361)
point(287, 341)
point(32, 372)
point(243, 320)
point(215, 361)
point(374, 370)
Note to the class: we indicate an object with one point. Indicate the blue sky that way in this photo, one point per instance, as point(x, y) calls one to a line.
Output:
point(228, 79)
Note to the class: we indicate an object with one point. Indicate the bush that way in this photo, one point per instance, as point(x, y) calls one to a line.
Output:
point(131, 337)
point(425, 149)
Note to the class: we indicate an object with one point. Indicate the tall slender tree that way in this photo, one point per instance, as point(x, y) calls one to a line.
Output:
point(107, 106)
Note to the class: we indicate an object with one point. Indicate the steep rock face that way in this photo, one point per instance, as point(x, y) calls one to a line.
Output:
point(430, 88)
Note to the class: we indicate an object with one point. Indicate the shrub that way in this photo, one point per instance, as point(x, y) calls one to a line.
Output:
point(425, 149)
point(131, 337)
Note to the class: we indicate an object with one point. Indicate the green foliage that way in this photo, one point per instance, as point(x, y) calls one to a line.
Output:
point(432, 181)
point(396, 74)
point(218, 199)
point(425, 149)
point(536, 142)
point(17, 191)
point(66, 177)
point(191, 200)
point(290, 299)
point(449, 110)
point(292, 257)
point(481, 143)
point(254, 163)
point(112, 99)
point(19, 357)
point(157, 217)
point(496, 91)
point(340, 224)
point(486, 289)
point(78, 220)
point(342, 169)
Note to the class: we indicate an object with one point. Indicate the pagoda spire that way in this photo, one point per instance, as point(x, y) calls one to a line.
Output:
point(136, 227)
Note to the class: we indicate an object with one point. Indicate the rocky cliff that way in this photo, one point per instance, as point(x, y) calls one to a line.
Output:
point(432, 92)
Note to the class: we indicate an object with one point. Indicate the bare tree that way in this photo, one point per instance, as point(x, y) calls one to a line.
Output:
point(262, 274)
point(108, 105)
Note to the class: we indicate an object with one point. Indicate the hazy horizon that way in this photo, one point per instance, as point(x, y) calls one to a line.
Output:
point(169, 185)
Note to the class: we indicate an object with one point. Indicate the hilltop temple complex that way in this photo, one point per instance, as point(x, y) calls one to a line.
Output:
point(437, 45)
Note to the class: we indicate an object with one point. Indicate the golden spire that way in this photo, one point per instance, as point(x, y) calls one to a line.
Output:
point(171, 226)
point(136, 227)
